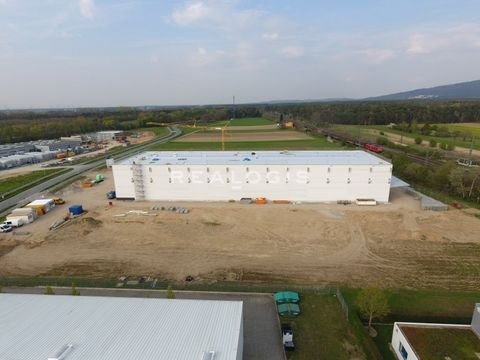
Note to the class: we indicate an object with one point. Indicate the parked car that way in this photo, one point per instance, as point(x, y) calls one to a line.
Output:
point(111, 195)
point(58, 201)
point(5, 228)
point(287, 338)
point(14, 222)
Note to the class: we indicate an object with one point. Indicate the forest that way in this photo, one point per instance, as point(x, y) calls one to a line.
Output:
point(18, 126)
point(381, 113)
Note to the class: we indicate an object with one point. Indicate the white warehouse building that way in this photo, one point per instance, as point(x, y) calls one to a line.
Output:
point(307, 176)
point(39, 327)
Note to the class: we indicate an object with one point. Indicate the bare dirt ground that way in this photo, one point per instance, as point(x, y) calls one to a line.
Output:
point(244, 136)
point(144, 136)
point(394, 245)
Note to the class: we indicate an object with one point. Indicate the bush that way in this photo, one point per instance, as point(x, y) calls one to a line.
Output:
point(443, 146)
point(433, 143)
point(450, 147)
point(418, 140)
point(382, 140)
point(382, 133)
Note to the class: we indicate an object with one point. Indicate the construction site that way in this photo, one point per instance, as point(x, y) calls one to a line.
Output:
point(389, 245)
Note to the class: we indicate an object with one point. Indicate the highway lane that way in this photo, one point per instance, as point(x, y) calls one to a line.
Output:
point(32, 193)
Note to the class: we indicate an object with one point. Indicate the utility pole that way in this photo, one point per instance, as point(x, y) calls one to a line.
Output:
point(233, 107)
point(470, 152)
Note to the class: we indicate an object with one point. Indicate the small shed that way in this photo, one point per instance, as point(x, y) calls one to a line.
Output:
point(75, 209)
point(288, 309)
point(286, 297)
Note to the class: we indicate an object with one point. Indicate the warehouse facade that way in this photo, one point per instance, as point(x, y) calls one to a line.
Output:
point(307, 176)
point(119, 328)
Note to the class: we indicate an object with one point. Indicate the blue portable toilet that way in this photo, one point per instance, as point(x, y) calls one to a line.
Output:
point(75, 209)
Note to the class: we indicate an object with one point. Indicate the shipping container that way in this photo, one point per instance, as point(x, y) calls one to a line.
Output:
point(75, 209)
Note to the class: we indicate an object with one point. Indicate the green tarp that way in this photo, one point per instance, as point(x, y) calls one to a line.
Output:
point(286, 297)
point(288, 309)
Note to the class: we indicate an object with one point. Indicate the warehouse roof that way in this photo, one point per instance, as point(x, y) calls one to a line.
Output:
point(356, 157)
point(79, 327)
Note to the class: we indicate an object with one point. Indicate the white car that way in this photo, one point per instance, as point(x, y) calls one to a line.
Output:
point(5, 228)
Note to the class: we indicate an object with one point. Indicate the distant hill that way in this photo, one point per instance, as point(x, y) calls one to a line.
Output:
point(465, 90)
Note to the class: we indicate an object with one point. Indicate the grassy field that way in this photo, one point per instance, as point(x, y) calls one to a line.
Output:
point(364, 132)
point(309, 144)
point(10, 186)
point(434, 306)
point(384, 336)
point(467, 128)
point(157, 130)
point(321, 331)
point(244, 122)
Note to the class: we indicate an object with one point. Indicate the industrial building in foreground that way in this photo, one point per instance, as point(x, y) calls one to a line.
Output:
point(306, 176)
point(117, 328)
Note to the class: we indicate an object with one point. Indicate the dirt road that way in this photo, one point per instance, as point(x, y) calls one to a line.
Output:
point(389, 245)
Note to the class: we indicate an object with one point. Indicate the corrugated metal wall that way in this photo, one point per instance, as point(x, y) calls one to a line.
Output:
point(314, 183)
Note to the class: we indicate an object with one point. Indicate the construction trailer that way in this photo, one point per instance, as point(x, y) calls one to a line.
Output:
point(27, 214)
point(41, 206)
point(297, 176)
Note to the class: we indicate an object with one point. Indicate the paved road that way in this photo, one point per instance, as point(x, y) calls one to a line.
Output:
point(262, 340)
point(29, 194)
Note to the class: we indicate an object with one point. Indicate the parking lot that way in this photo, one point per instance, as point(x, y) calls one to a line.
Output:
point(262, 339)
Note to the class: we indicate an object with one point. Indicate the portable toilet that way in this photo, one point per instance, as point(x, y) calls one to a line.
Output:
point(75, 210)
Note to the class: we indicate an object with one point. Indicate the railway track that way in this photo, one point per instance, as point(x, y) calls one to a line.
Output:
point(361, 142)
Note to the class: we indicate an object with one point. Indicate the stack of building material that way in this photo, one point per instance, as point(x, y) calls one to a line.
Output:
point(41, 206)
point(28, 215)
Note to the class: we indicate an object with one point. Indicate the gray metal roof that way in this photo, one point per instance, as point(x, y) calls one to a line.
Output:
point(39, 327)
point(355, 157)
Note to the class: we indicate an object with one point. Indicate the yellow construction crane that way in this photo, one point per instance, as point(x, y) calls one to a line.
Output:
point(223, 129)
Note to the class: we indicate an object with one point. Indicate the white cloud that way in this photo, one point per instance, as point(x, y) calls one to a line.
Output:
point(378, 56)
point(270, 36)
point(192, 13)
point(203, 57)
point(87, 8)
point(463, 36)
point(419, 44)
point(293, 51)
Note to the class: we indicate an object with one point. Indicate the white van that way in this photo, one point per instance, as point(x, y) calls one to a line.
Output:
point(15, 222)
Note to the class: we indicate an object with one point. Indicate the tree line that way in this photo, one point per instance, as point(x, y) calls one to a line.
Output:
point(379, 113)
point(18, 126)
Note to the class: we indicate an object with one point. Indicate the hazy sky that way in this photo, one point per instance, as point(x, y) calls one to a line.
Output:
point(62, 53)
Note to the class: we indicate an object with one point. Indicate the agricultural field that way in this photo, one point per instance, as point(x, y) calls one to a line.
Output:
point(465, 128)
point(307, 144)
point(257, 121)
point(254, 137)
point(247, 136)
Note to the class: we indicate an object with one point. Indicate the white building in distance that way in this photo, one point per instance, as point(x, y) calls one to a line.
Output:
point(59, 327)
point(416, 341)
point(307, 176)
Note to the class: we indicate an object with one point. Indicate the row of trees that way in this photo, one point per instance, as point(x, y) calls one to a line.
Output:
point(20, 126)
point(381, 113)
point(448, 178)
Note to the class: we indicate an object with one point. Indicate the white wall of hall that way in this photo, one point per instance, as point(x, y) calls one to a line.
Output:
point(314, 183)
